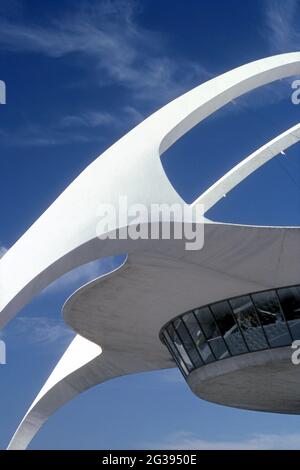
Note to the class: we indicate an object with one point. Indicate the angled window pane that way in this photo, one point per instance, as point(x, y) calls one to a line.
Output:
point(188, 342)
point(229, 328)
point(290, 302)
point(198, 337)
point(212, 332)
point(248, 321)
point(207, 322)
point(270, 314)
point(180, 347)
point(175, 353)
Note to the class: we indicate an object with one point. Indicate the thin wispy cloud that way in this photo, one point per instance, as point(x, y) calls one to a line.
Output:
point(98, 119)
point(282, 32)
point(108, 41)
point(37, 135)
point(77, 277)
point(72, 129)
point(88, 119)
point(38, 330)
point(283, 29)
point(188, 441)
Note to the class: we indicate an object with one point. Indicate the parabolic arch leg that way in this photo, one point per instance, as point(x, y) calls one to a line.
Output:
point(84, 365)
point(64, 237)
point(247, 166)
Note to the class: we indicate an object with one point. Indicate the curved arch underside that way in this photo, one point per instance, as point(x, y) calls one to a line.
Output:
point(107, 312)
point(134, 164)
point(149, 290)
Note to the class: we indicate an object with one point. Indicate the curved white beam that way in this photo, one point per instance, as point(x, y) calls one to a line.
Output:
point(64, 236)
point(247, 166)
point(61, 386)
point(235, 260)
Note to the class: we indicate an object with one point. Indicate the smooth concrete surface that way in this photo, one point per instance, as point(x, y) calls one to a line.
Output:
point(261, 381)
point(122, 313)
point(65, 236)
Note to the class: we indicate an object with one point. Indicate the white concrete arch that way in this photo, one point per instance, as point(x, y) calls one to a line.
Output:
point(64, 237)
point(247, 166)
point(236, 260)
point(67, 381)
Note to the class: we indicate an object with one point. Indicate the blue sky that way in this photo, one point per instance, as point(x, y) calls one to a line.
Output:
point(79, 75)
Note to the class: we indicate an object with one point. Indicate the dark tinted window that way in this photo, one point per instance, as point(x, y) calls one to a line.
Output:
point(249, 323)
point(290, 301)
point(188, 342)
point(235, 326)
point(229, 328)
point(180, 347)
point(200, 341)
point(271, 316)
point(178, 359)
point(212, 332)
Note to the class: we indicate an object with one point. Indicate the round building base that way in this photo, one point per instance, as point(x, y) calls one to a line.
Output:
point(263, 381)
